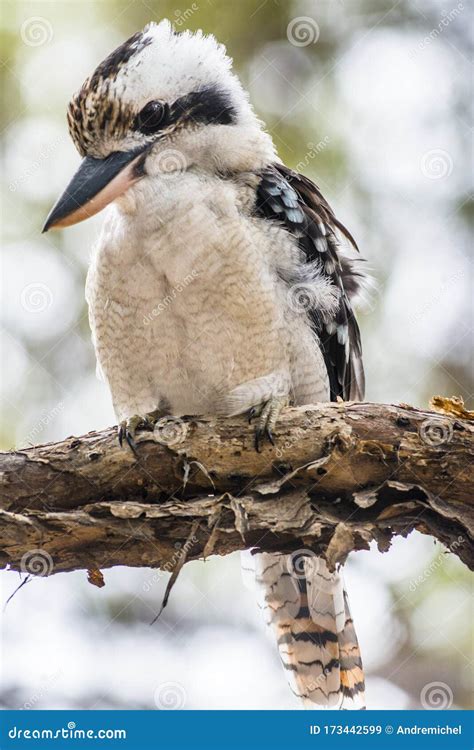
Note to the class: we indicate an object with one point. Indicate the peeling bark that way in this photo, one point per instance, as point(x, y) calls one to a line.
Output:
point(341, 475)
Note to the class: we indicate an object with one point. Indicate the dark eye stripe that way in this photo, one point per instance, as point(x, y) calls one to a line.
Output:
point(210, 106)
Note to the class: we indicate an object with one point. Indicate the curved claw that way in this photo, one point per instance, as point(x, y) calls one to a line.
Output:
point(269, 434)
point(131, 442)
point(261, 434)
point(128, 427)
point(252, 414)
point(267, 417)
point(124, 433)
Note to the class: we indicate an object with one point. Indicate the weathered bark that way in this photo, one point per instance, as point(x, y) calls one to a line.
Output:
point(340, 476)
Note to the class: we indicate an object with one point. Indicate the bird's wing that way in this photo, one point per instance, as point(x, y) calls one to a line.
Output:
point(296, 203)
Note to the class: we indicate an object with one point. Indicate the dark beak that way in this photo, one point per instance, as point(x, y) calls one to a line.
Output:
point(96, 183)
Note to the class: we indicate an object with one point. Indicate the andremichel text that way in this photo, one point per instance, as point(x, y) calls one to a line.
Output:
point(438, 729)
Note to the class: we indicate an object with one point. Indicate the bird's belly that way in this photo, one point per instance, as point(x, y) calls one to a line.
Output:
point(207, 347)
point(180, 320)
point(183, 348)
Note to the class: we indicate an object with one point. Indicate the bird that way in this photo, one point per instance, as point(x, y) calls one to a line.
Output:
point(221, 283)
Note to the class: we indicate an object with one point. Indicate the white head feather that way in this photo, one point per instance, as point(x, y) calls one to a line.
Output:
point(171, 65)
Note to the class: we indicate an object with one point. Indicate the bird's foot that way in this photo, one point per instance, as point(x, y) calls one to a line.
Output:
point(128, 427)
point(267, 415)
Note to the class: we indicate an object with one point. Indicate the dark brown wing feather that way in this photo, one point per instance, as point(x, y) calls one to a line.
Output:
point(294, 201)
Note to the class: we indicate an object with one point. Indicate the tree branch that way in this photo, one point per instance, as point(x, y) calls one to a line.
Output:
point(340, 476)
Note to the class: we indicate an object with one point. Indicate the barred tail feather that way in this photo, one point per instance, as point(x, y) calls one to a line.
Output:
point(307, 607)
point(352, 671)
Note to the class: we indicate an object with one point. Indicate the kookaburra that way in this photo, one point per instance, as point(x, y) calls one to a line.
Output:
point(195, 190)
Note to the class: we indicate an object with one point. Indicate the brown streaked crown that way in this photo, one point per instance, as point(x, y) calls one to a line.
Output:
point(95, 110)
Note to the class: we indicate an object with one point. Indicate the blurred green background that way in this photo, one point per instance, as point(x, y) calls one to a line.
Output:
point(371, 100)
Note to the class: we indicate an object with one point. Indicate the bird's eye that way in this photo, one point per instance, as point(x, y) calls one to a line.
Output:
point(153, 116)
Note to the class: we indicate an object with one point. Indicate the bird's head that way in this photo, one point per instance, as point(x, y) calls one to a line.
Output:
point(161, 102)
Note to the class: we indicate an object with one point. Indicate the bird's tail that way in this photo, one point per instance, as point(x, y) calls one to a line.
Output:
point(308, 609)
